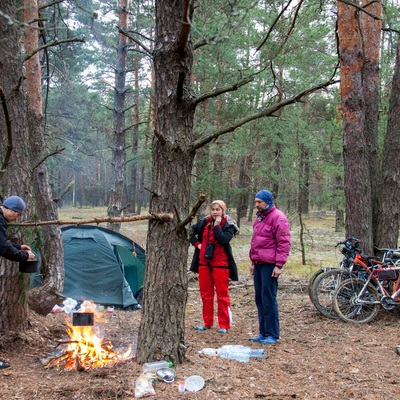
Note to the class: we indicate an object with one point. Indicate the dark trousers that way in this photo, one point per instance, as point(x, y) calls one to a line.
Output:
point(266, 289)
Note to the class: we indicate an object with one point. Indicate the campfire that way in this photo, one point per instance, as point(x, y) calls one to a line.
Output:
point(84, 350)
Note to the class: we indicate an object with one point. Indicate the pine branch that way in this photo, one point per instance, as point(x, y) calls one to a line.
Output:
point(270, 111)
point(51, 44)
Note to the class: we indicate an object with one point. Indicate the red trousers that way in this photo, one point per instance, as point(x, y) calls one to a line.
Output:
point(210, 280)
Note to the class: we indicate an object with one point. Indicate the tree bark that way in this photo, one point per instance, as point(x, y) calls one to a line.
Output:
point(119, 141)
point(371, 42)
point(357, 170)
point(15, 179)
point(387, 231)
point(49, 242)
point(161, 333)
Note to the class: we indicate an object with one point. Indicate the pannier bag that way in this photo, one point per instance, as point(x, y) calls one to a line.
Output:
point(386, 274)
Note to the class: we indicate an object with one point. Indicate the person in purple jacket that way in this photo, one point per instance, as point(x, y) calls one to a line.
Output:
point(269, 250)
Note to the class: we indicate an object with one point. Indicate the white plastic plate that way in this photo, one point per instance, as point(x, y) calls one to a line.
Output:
point(194, 383)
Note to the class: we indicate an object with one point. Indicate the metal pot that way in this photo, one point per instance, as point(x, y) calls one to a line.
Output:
point(166, 374)
point(28, 266)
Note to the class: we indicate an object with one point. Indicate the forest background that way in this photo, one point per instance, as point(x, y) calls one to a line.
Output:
point(145, 104)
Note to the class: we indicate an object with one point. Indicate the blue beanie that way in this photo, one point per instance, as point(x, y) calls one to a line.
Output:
point(14, 203)
point(266, 196)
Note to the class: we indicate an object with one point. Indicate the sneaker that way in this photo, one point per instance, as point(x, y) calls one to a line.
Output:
point(3, 365)
point(268, 340)
point(257, 339)
point(202, 328)
point(222, 331)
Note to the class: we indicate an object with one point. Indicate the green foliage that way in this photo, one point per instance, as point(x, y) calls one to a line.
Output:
point(283, 53)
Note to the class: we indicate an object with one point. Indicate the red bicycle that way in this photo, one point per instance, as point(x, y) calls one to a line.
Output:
point(358, 299)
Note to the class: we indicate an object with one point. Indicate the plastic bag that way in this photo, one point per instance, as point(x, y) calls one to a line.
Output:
point(144, 386)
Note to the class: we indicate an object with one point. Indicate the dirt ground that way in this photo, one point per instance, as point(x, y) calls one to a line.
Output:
point(316, 358)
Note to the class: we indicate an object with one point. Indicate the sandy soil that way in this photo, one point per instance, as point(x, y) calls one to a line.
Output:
point(316, 358)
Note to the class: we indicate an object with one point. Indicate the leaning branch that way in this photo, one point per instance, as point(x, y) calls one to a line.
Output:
point(223, 90)
point(265, 113)
point(152, 216)
point(57, 151)
point(192, 213)
point(138, 42)
point(52, 44)
point(362, 8)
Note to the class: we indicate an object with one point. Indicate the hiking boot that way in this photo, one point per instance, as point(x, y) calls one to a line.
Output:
point(3, 365)
point(268, 340)
point(257, 338)
point(202, 328)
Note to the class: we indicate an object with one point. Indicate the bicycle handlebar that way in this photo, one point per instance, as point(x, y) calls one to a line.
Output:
point(350, 239)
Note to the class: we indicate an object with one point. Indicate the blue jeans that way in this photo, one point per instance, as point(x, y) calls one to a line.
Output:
point(266, 289)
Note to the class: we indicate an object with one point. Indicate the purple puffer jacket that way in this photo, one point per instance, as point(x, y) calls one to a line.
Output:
point(271, 238)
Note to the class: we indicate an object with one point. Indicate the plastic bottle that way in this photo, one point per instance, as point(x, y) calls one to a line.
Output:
point(235, 352)
point(209, 352)
point(257, 353)
point(228, 351)
point(154, 366)
point(234, 355)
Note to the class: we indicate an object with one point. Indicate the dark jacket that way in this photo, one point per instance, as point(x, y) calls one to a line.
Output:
point(9, 250)
point(223, 235)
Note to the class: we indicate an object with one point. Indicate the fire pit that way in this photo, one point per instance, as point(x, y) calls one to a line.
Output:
point(84, 349)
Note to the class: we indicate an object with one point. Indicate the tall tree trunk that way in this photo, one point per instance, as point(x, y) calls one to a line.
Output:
point(135, 145)
point(42, 299)
point(371, 42)
point(15, 173)
point(119, 151)
point(161, 333)
point(387, 231)
point(357, 171)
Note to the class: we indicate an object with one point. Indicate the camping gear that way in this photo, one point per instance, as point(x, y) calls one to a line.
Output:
point(29, 266)
point(166, 374)
point(101, 265)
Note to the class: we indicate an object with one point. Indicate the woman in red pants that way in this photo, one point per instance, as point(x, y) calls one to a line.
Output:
point(213, 261)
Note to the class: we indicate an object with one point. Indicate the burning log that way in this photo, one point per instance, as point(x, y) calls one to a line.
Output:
point(84, 350)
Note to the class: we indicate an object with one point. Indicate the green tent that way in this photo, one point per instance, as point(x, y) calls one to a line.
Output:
point(102, 265)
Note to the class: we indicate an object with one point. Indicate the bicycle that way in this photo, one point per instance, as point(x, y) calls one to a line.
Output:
point(324, 281)
point(358, 299)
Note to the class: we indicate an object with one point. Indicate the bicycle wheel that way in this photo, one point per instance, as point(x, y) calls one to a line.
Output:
point(312, 279)
point(349, 305)
point(323, 288)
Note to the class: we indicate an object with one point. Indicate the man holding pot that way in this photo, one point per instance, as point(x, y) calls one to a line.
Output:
point(10, 210)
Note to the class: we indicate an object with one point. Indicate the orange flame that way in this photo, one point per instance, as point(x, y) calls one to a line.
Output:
point(86, 350)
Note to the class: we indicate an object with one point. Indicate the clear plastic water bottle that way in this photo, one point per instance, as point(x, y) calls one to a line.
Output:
point(234, 352)
point(209, 352)
point(238, 356)
point(257, 353)
point(227, 351)
point(154, 366)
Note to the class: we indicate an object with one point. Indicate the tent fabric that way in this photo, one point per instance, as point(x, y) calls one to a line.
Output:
point(101, 265)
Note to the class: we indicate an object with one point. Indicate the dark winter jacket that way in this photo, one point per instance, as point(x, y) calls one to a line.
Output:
point(223, 235)
point(9, 250)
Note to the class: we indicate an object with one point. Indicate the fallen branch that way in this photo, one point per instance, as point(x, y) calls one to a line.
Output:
point(159, 217)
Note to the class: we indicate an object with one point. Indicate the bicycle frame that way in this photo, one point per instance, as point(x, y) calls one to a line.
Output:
point(373, 278)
